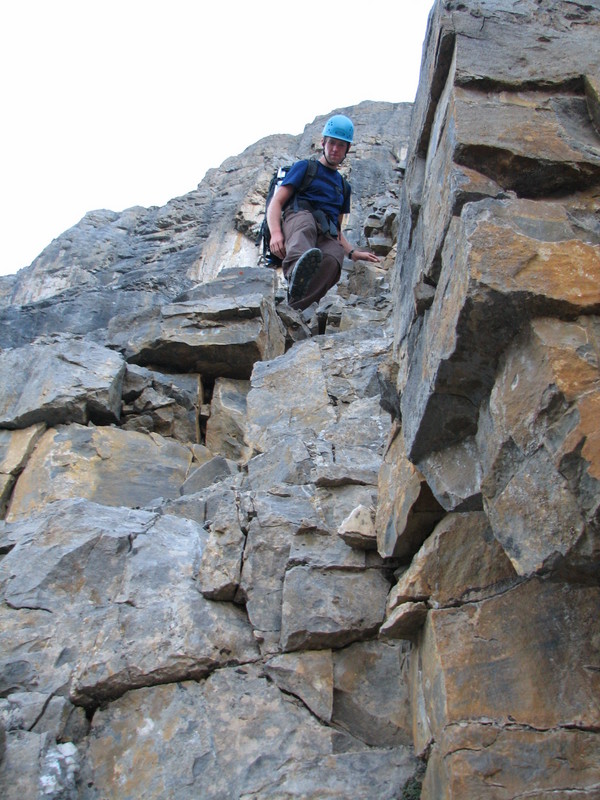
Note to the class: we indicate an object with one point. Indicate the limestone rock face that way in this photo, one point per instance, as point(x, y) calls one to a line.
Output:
point(557, 464)
point(354, 552)
point(135, 590)
point(280, 749)
point(500, 643)
point(154, 402)
point(177, 463)
point(495, 322)
point(460, 561)
point(497, 270)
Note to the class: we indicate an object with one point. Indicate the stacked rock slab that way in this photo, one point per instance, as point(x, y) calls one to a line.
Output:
point(496, 293)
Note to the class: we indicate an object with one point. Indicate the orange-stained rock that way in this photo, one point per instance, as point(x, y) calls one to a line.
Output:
point(404, 621)
point(529, 656)
point(106, 465)
point(460, 561)
point(503, 262)
point(483, 760)
point(407, 511)
point(15, 449)
point(532, 142)
point(541, 466)
point(504, 258)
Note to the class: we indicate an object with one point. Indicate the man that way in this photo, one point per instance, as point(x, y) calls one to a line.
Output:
point(306, 227)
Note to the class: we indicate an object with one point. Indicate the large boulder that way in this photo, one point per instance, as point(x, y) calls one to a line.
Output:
point(65, 380)
point(106, 465)
point(117, 587)
point(503, 261)
point(505, 662)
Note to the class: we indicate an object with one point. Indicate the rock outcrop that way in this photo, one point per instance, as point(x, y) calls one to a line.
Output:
point(496, 293)
point(248, 553)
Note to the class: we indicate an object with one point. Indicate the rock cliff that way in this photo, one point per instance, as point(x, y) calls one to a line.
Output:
point(353, 553)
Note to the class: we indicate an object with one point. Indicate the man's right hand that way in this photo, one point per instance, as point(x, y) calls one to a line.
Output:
point(277, 245)
point(281, 197)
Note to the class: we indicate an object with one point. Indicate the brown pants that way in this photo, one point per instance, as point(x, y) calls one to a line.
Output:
point(301, 233)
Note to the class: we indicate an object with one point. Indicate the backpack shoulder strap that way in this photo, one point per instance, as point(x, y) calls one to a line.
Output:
point(347, 189)
point(311, 171)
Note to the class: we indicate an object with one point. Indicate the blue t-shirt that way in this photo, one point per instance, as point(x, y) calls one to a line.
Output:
point(326, 191)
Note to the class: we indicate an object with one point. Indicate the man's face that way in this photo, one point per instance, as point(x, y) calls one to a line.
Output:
point(335, 149)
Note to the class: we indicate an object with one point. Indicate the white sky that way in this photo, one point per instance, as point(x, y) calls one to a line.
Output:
point(116, 103)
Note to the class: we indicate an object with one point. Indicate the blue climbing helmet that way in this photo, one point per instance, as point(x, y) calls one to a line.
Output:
point(339, 127)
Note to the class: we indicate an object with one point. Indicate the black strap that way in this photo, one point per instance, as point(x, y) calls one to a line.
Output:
point(311, 170)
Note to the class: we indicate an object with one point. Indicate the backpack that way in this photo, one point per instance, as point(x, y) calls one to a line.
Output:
point(267, 258)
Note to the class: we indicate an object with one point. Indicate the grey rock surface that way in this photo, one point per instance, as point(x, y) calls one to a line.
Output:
point(66, 380)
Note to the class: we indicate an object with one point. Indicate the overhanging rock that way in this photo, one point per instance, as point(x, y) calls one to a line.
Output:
point(503, 263)
point(220, 329)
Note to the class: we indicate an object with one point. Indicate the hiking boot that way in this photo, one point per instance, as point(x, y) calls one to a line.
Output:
point(302, 274)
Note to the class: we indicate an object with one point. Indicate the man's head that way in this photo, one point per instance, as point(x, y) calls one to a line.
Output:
point(338, 129)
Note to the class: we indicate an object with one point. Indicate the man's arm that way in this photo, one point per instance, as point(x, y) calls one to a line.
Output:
point(357, 255)
point(282, 195)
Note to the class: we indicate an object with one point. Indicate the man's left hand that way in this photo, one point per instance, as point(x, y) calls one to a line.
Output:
point(364, 255)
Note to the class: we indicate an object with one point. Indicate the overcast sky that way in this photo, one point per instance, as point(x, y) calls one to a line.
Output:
point(116, 103)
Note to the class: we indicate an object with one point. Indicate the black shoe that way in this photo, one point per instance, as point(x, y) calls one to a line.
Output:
point(302, 274)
